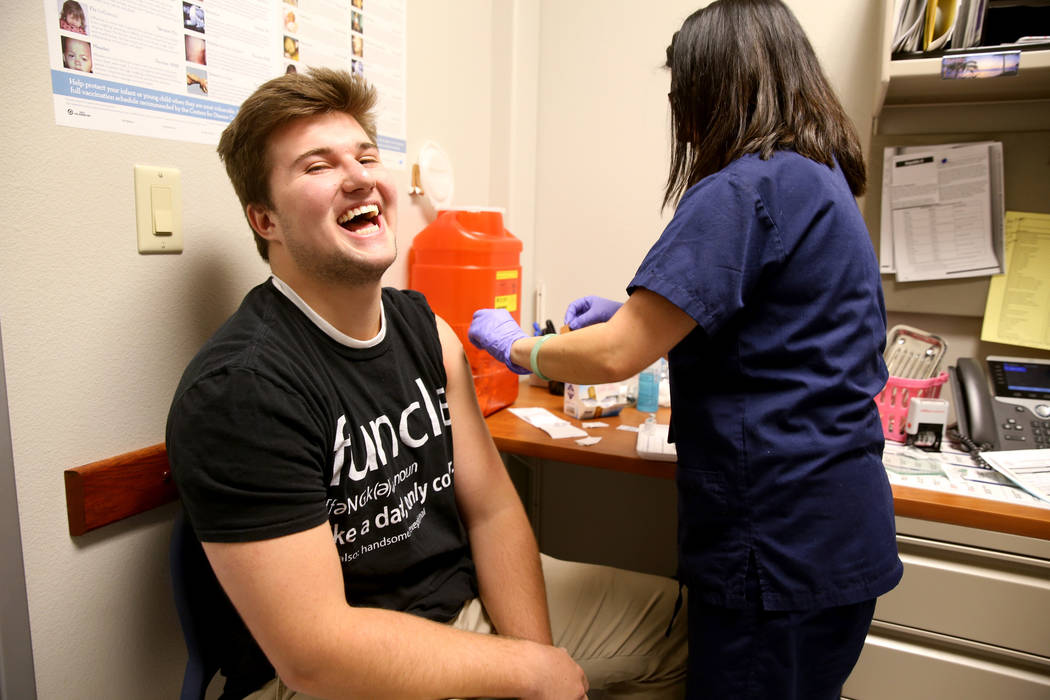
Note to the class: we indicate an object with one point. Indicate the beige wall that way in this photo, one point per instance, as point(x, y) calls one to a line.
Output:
point(95, 335)
point(554, 110)
point(603, 122)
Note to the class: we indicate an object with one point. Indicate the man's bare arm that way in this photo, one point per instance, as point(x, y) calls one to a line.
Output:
point(289, 592)
point(501, 538)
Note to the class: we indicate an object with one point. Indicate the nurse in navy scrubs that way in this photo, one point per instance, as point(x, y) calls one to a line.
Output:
point(764, 291)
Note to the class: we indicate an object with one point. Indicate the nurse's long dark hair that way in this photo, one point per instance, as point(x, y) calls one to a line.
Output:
point(745, 79)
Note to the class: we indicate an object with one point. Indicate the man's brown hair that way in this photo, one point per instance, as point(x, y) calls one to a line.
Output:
point(243, 147)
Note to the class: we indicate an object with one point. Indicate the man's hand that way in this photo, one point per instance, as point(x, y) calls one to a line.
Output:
point(589, 310)
point(495, 330)
point(562, 677)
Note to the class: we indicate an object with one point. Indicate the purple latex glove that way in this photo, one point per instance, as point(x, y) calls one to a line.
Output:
point(589, 310)
point(494, 331)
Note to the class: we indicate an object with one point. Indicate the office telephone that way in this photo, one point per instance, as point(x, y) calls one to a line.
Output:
point(1014, 415)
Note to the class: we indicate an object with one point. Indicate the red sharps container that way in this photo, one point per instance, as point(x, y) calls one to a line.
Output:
point(463, 261)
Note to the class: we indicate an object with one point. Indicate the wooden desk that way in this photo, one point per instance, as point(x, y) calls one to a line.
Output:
point(616, 452)
point(112, 489)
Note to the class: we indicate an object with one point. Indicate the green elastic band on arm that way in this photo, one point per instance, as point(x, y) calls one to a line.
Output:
point(535, 352)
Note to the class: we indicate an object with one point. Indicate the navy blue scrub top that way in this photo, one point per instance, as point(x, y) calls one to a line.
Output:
point(778, 437)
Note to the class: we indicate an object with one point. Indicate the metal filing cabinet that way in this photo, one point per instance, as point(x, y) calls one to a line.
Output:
point(970, 619)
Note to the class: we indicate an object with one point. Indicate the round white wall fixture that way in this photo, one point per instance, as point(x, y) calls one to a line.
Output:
point(435, 175)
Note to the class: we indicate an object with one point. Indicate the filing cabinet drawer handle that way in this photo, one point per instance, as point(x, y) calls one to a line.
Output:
point(975, 552)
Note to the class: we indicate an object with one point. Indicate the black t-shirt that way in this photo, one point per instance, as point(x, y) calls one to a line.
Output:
point(276, 428)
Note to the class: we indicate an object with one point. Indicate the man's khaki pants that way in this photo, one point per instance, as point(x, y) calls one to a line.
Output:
point(613, 622)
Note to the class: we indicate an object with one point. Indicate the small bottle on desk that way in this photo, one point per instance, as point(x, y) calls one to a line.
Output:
point(649, 389)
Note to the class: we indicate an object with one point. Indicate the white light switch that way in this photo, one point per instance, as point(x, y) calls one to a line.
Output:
point(158, 209)
point(163, 218)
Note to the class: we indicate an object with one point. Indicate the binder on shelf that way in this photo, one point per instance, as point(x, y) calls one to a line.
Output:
point(969, 24)
point(937, 25)
point(940, 23)
point(910, 20)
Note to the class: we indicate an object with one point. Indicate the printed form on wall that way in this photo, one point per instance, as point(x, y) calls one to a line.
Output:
point(179, 69)
point(942, 211)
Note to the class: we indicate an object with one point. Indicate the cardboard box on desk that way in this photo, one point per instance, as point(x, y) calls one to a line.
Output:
point(594, 400)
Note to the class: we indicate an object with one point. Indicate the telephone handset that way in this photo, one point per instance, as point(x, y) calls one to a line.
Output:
point(973, 403)
point(1015, 415)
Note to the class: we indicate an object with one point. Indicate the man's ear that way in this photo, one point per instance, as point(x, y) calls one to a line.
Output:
point(261, 220)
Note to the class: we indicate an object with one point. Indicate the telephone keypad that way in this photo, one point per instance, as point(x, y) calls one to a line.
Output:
point(1015, 430)
point(1021, 427)
point(1041, 433)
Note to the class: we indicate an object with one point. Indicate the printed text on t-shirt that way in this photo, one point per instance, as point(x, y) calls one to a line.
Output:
point(372, 436)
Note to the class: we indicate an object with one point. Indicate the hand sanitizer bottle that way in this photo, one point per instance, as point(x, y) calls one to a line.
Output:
point(649, 389)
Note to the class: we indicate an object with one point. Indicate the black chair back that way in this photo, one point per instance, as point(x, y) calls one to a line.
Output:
point(216, 638)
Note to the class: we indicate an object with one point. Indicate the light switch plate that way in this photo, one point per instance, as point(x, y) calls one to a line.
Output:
point(156, 189)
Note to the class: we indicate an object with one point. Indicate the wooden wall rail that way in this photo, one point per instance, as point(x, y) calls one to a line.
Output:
point(112, 489)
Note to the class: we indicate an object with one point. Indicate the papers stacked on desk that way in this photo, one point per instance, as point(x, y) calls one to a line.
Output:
point(1029, 469)
point(951, 471)
point(548, 422)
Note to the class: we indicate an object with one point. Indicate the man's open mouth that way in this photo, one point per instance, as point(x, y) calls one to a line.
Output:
point(361, 220)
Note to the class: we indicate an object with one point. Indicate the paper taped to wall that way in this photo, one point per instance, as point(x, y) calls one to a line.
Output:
point(1018, 308)
point(942, 211)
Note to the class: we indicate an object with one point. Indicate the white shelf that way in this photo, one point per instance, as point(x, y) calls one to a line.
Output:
point(979, 117)
point(914, 105)
point(918, 81)
point(909, 88)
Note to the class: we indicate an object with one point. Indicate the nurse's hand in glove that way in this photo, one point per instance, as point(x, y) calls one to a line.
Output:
point(495, 330)
point(589, 310)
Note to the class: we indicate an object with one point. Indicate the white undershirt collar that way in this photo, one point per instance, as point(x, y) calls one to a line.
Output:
point(330, 330)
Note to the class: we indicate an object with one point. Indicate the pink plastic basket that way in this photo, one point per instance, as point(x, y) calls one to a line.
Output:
point(893, 401)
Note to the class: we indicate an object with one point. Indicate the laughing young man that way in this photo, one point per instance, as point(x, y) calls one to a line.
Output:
point(312, 443)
